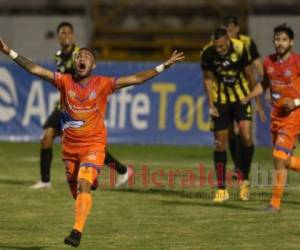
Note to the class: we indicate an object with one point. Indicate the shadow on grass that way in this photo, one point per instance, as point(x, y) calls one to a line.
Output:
point(203, 198)
point(22, 248)
point(16, 182)
point(211, 204)
point(291, 202)
point(157, 191)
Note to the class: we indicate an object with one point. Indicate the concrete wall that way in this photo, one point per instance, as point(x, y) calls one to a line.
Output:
point(261, 30)
point(30, 35)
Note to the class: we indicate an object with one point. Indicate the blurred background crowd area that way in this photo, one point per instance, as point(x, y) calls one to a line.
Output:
point(138, 29)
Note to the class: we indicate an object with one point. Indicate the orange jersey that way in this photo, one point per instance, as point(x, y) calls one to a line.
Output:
point(284, 77)
point(83, 108)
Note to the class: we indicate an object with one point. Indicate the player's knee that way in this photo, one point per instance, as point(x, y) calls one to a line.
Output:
point(281, 159)
point(84, 185)
point(47, 138)
point(246, 139)
point(220, 145)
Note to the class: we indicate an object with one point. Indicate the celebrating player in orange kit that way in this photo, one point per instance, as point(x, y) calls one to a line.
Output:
point(282, 76)
point(83, 104)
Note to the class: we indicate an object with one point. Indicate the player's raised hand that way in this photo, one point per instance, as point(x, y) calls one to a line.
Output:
point(176, 57)
point(3, 47)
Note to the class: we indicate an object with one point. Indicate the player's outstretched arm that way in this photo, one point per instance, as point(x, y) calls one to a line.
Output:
point(26, 63)
point(143, 76)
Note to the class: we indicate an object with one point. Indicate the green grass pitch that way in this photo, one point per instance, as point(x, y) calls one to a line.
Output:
point(159, 215)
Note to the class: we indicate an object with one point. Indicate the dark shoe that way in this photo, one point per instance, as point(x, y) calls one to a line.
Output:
point(271, 209)
point(73, 239)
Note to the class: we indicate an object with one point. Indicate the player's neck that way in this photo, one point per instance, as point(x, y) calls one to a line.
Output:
point(285, 56)
point(67, 49)
point(83, 80)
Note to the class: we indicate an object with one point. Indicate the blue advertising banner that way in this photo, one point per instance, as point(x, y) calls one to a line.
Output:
point(168, 109)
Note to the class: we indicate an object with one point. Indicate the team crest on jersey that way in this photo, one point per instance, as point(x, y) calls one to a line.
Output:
point(270, 70)
point(287, 73)
point(226, 63)
point(71, 94)
point(233, 57)
point(92, 95)
point(91, 156)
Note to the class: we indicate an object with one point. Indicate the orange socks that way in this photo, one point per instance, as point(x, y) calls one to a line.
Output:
point(295, 163)
point(83, 205)
point(280, 178)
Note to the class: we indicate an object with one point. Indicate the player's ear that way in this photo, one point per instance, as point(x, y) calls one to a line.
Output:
point(94, 65)
point(292, 42)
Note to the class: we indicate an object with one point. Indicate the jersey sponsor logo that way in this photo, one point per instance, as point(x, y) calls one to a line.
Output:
point(68, 121)
point(92, 95)
point(280, 83)
point(276, 96)
point(92, 156)
point(8, 96)
point(71, 94)
point(73, 124)
point(229, 80)
point(226, 63)
point(287, 73)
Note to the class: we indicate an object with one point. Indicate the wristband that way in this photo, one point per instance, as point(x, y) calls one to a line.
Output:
point(297, 102)
point(160, 68)
point(13, 54)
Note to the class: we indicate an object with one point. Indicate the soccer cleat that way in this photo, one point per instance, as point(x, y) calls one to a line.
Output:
point(73, 239)
point(245, 190)
point(123, 178)
point(40, 185)
point(221, 195)
point(271, 209)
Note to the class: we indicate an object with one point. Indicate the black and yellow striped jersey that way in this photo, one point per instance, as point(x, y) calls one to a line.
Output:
point(65, 62)
point(250, 46)
point(230, 84)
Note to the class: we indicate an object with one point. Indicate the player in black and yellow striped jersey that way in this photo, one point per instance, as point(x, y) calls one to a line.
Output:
point(64, 62)
point(231, 24)
point(228, 76)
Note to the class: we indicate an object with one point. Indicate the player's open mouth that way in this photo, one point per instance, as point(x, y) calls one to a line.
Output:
point(82, 66)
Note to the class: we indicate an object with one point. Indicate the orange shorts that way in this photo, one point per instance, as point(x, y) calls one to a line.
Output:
point(284, 133)
point(83, 162)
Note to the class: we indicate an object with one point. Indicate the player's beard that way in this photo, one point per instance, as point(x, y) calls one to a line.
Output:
point(286, 51)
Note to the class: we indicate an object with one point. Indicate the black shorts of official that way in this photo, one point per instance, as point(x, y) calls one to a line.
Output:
point(230, 112)
point(53, 120)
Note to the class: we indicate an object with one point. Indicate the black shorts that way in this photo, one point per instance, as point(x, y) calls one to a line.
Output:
point(229, 113)
point(53, 120)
